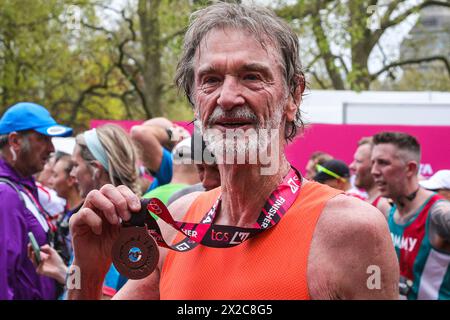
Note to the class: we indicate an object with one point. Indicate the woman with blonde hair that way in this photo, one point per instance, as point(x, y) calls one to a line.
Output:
point(104, 155)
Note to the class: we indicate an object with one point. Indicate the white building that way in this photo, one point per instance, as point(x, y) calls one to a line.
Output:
point(377, 107)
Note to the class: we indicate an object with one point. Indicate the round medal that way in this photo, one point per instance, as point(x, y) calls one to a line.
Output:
point(135, 253)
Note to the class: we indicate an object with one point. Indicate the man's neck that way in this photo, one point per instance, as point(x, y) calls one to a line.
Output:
point(372, 193)
point(407, 207)
point(74, 199)
point(21, 170)
point(189, 177)
point(245, 191)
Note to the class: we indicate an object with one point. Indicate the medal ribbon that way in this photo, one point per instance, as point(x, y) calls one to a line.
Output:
point(40, 209)
point(223, 236)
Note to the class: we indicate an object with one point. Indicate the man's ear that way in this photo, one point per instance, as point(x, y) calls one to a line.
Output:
point(71, 180)
point(14, 140)
point(295, 98)
point(412, 168)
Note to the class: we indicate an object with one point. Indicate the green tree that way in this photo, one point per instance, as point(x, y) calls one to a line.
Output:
point(148, 43)
point(331, 24)
point(46, 57)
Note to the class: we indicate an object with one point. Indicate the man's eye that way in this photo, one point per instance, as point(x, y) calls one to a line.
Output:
point(251, 77)
point(210, 80)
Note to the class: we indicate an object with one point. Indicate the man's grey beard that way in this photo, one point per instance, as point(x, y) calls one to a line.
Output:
point(25, 148)
point(236, 141)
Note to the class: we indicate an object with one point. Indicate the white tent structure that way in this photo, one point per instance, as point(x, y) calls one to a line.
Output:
point(377, 107)
point(64, 144)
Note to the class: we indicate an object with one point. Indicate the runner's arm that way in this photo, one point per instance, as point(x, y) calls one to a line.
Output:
point(384, 206)
point(353, 253)
point(12, 226)
point(440, 225)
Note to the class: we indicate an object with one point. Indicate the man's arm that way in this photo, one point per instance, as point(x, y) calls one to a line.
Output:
point(384, 206)
point(12, 237)
point(152, 136)
point(440, 225)
point(147, 140)
point(352, 256)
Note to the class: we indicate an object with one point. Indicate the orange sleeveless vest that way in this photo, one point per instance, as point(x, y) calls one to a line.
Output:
point(272, 265)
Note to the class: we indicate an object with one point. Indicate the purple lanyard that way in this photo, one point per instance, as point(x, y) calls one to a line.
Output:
point(223, 236)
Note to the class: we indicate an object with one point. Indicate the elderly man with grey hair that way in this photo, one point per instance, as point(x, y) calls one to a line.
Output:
point(264, 236)
point(26, 130)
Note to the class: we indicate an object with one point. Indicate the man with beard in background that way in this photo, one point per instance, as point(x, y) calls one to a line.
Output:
point(361, 167)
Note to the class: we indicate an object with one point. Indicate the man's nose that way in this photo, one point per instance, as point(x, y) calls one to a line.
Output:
point(73, 173)
point(230, 93)
point(50, 146)
point(352, 167)
point(374, 170)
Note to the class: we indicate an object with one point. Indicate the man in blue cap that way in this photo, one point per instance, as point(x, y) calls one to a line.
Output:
point(26, 130)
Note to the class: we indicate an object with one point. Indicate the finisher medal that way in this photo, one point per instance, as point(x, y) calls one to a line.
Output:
point(135, 253)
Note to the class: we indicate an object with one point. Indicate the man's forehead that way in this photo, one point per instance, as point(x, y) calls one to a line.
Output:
point(38, 135)
point(218, 40)
point(364, 149)
point(384, 150)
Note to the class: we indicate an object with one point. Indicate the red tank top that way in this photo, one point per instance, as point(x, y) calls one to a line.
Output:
point(272, 265)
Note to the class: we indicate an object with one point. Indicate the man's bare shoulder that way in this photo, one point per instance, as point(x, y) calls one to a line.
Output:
point(350, 237)
point(351, 214)
point(440, 225)
point(384, 206)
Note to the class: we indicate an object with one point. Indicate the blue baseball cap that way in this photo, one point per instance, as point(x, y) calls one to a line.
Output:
point(31, 116)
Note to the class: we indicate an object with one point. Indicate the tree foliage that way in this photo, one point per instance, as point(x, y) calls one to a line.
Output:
point(338, 38)
point(46, 58)
point(90, 59)
point(63, 55)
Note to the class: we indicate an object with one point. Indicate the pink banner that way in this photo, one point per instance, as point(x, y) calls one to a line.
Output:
point(341, 140)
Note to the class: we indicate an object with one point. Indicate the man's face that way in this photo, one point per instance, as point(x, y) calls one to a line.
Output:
point(60, 180)
point(388, 170)
point(82, 173)
point(334, 183)
point(45, 175)
point(209, 175)
point(445, 193)
point(310, 170)
point(35, 151)
point(239, 84)
point(361, 167)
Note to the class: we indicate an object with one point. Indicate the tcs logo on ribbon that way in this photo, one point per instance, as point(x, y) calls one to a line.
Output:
point(154, 207)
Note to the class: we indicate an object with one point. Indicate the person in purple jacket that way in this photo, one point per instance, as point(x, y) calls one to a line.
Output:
point(25, 145)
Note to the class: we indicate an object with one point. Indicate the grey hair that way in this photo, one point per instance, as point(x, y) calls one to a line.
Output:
point(4, 140)
point(260, 22)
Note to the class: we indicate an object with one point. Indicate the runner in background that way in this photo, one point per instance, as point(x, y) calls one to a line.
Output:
point(154, 141)
point(25, 146)
point(105, 155)
point(316, 158)
point(419, 221)
point(361, 169)
point(439, 182)
point(184, 173)
point(48, 197)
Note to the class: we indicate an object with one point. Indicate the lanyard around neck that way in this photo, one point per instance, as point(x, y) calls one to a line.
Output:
point(224, 236)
